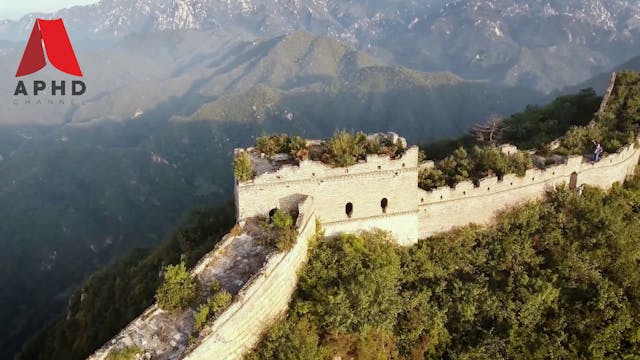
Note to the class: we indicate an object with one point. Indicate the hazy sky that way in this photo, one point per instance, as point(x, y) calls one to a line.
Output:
point(14, 9)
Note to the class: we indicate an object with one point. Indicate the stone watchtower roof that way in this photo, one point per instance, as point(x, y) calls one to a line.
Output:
point(262, 163)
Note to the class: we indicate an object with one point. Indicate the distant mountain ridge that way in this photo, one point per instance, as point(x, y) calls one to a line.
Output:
point(545, 45)
point(214, 76)
point(600, 81)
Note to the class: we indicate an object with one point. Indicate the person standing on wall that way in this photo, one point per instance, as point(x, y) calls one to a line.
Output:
point(597, 152)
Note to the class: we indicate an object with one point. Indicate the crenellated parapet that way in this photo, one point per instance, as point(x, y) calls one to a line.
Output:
point(445, 208)
point(382, 192)
point(310, 170)
point(359, 196)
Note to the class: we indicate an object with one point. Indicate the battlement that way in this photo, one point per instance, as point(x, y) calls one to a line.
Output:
point(278, 166)
point(382, 192)
point(444, 208)
point(311, 170)
point(361, 196)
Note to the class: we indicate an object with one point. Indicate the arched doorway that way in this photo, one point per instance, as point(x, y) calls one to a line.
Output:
point(573, 181)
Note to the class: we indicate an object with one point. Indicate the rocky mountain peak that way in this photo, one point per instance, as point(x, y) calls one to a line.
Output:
point(545, 44)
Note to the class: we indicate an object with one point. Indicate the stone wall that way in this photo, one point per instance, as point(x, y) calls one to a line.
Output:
point(262, 300)
point(412, 213)
point(365, 185)
point(445, 208)
point(403, 226)
point(607, 93)
point(123, 338)
point(319, 193)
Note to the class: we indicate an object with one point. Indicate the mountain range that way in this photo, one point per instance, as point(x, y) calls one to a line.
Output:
point(314, 82)
point(541, 44)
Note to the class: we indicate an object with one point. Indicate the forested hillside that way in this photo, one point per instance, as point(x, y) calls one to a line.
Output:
point(110, 299)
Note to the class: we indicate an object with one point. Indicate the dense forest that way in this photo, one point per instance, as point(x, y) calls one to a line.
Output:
point(558, 278)
point(110, 299)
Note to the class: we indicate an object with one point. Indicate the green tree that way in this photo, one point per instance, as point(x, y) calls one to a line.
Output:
point(288, 339)
point(358, 278)
point(127, 353)
point(345, 149)
point(242, 168)
point(178, 290)
point(200, 317)
point(273, 144)
point(431, 178)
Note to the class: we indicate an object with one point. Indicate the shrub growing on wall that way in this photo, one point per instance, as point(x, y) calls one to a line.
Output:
point(482, 162)
point(242, 168)
point(270, 145)
point(282, 220)
point(178, 290)
point(279, 232)
point(127, 353)
point(431, 179)
point(344, 149)
point(214, 305)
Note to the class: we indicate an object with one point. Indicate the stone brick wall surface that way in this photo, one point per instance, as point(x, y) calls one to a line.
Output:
point(411, 213)
point(445, 208)
point(364, 185)
point(262, 300)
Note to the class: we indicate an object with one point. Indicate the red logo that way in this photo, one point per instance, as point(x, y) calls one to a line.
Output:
point(50, 37)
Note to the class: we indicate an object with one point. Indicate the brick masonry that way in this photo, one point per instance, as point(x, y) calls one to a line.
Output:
point(412, 213)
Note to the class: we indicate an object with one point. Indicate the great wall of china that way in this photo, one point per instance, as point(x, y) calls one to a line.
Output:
point(258, 299)
point(377, 193)
point(383, 193)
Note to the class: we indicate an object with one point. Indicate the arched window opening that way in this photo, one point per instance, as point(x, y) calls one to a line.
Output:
point(271, 213)
point(383, 204)
point(349, 209)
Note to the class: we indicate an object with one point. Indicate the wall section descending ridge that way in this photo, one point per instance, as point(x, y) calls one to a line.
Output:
point(262, 300)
